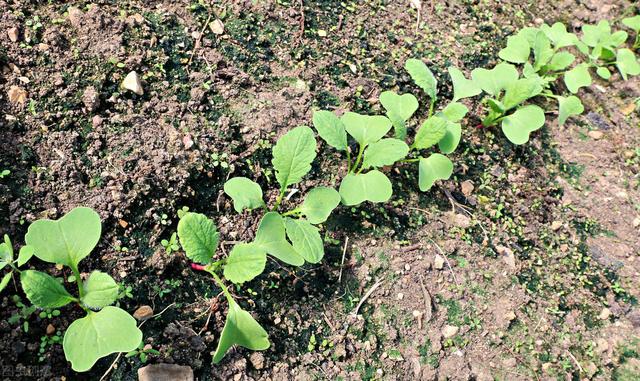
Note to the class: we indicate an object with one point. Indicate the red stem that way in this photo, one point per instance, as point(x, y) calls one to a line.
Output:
point(197, 267)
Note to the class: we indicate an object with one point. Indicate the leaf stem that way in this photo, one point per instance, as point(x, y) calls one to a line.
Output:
point(409, 160)
point(358, 159)
point(292, 212)
point(348, 159)
point(279, 199)
point(76, 273)
point(226, 292)
point(431, 106)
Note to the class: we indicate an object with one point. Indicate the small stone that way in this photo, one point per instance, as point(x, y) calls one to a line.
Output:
point(596, 135)
point(91, 99)
point(187, 141)
point(510, 315)
point(510, 362)
point(322, 33)
point(538, 21)
point(636, 222)
point(257, 360)
point(17, 95)
point(132, 82)
point(75, 16)
point(216, 26)
point(556, 225)
point(601, 346)
point(507, 256)
point(51, 329)
point(416, 314)
point(400, 296)
point(143, 313)
point(467, 187)
point(438, 262)
point(96, 121)
point(165, 372)
point(14, 34)
point(604, 314)
point(407, 267)
point(449, 331)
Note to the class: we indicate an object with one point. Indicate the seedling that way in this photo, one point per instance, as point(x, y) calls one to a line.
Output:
point(143, 352)
point(105, 329)
point(171, 244)
point(4, 173)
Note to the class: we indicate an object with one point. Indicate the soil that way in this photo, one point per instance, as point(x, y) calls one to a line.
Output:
point(533, 274)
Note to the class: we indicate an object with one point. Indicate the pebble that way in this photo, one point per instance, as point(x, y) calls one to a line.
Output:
point(216, 26)
point(556, 225)
point(14, 34)
point(636, 222)
point(165, 372)
point(604, 314)
point(132, 82)
point(438, 262)
point(467, 187)
point(596, 135)
point(51, 329)
point(143, 313)
point(257, 360)
point(449, 331)
point(400, 296)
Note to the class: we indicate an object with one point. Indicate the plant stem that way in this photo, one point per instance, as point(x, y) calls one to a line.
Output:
point(431, 106)
point(291, 212)
point(409, 160)
point(279, 199)
point(76, 273)
point(222, 286)
point(348, 159)
point(358, 159)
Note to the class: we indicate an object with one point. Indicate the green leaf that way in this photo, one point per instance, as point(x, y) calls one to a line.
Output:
point(6, 252)
point(422, 76)
point(331, 129)
point(577, 77)
point(246, 194)
point(5, 281)
point(306, 239)
point(240, 329)
point(198, 237)
point(627, 63)
point(68, 240)
point(462, 87)
point(319, 204)
point(603, 72)
point(271, 238)
point(372, 186)
point(561, 61)
point(43, 290)
point(519, 91)
point(558, 35)
point(435, 167)
point(430, 133)
point(399, 109)
point(454, 112)
point(384, 152)
point(293, 154)
point(541, 51)
point(568, 106)
point(366, 129)
point(451, 139)
point(517, 50)
point(26, 252)
point(593, 34)
point(98, 335)
point(495, 80)
point(517, 126)
point(616, 39)
point(245, 262)
point(100, 290)
point(632, 22)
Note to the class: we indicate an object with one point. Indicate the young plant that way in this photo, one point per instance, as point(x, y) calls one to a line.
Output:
point(634, 24)
point(7, 259)
point(105, 329)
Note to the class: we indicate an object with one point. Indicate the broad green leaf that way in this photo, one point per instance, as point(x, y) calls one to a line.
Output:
point(366, 129)
point(26, 252)
point(627, 63)
point(293, 154)
point(451, 139)
point(98, 335)
point(306, 239)
point(529, 33)
point(603, 72)
point(198, 237)
point(632, 22)
point(6, 252)
point(517, 126)
point(68, 240)
point(561, 61)
point(5, 281)
point(372, 186)
point(271, 237)
point(100, 290)
point(331, 129)
point(517, 50)
point(246, 194)
point(319, 204)
point(568, 106)
point(558, 35)
point(541, 51)
point(384, 152)
point(519, 91)
point(593, 34)
point(245, 262)
point(430, 133)
point(454, 112)
point(435, 167)
point(577, 77)
point(240, 329)
point(462, 87)
point(495, 80)
point(43, 290)
point(422, 76)
point(399, 109)
point(616, 39)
